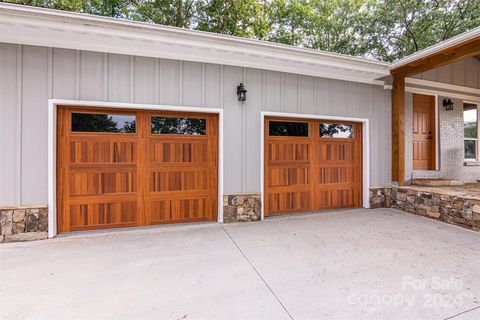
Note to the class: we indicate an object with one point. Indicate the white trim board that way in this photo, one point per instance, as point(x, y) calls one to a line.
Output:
point(440, 93)
point(365, 148)
point(52, 146)
point(441, 85)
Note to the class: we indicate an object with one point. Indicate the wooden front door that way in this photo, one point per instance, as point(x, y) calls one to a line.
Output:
point(423, 132)
point(134, 168)
point(312, 165)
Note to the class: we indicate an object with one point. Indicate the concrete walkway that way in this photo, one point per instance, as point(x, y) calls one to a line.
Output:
point(354, 264)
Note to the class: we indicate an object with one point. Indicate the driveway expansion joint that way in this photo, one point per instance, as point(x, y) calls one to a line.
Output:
point(258, 273)
point(461, 313)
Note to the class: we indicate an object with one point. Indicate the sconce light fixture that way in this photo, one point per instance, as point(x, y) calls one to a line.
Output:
point(448, 104)
point(241, 93)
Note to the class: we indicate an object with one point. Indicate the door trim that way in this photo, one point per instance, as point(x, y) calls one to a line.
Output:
point(52, 145)
point(365, 148)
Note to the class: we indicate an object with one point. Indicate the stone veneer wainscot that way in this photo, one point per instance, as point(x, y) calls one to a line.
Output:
point(242, 207)
point(456, 210)
point(24, 223)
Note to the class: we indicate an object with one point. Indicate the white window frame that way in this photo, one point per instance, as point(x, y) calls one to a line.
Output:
point(477, 140)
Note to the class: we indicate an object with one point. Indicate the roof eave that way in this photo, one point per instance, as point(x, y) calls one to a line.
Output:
point(441, 46)
point(52, 28)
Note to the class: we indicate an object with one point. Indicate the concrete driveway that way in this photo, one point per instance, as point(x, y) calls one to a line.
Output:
point(353, 264)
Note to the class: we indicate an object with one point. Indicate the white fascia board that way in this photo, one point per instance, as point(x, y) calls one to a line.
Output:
point(51, 28)
point(466, 36)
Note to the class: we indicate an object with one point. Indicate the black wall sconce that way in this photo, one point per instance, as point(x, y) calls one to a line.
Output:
point(241, 93)
point(448, 104)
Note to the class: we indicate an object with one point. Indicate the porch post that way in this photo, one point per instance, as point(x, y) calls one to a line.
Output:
point(398, 129)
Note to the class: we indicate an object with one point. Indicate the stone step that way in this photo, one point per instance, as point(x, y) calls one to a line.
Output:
point(437, 182)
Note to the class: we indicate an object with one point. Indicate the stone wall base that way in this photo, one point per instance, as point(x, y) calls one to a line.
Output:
point(242, 207)
point(451, 209)
point(24, 223)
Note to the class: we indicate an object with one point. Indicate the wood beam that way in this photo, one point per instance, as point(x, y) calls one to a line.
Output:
point(447, 56)
point(398, 129)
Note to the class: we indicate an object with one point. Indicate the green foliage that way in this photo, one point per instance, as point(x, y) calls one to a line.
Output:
point(381, 29)
point(470, 130)
point(399, 28)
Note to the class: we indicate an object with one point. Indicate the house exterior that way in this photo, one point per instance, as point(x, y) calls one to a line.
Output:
point(109, 123)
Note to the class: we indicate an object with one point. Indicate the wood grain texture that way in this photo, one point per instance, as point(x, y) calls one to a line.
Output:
point(441, 58)
point(312, 173)
point(112, 180)
point(398, 129)
point(423, 132)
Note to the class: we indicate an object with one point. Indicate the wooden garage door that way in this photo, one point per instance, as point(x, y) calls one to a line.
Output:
point(134, 168)
point(312, 165)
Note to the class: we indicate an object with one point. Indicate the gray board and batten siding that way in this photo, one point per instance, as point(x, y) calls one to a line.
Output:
point(32, 75)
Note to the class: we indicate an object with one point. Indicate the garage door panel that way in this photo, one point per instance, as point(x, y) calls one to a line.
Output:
point(336, 198)
point(284, 202)
point(343, 198)
point(288, 151)
point(179, 210)
point(335, 151)
point(178, 152)
point(336, 174)
point(98, 183)
point(94, 152)
point(288, 176)
point(179, 180)
point(100, 215)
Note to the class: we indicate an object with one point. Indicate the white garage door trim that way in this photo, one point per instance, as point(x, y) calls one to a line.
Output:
point(52, 146)
point(365, 148)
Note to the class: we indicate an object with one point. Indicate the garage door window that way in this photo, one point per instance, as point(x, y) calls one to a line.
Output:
point(183, 126)
point(335, 130)
point(96, 122)
point(292, 129)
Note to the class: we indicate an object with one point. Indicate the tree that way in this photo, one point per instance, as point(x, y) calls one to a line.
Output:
point(402, 27)
point(243, 18)
point(178, 13)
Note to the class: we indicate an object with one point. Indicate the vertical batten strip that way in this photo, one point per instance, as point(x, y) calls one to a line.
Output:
point(132, 79)
point(157, 81)
point(299, 99)
point(18, 182)
point(105, 77)
point(264, 91)
point(282, 92)
point(222, 85)
point(77, 74)
point(330, 106)
point(50, 73)
point(204, 80)
point(180, 83)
